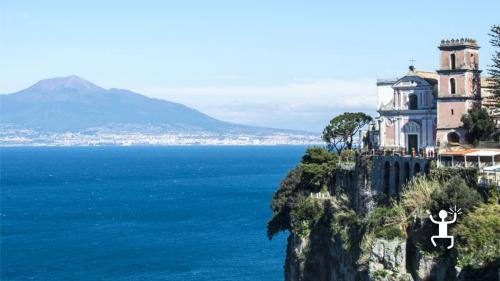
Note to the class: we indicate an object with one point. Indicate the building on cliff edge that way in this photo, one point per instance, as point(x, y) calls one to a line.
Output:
point(421, 112)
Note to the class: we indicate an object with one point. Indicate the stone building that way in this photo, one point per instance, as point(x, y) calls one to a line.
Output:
point(408, 119)
point(489, 101)
point(422, 110)
point(459, 88)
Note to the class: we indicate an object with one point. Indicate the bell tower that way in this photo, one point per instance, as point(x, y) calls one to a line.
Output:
point(458, 88)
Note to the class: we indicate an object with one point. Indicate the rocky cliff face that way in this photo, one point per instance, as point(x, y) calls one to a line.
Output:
point(387, 261)
point(323, 257)
point(317, 258)
point(351, 238)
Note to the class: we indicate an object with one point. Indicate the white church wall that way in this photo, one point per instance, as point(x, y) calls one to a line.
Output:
point(385, 92)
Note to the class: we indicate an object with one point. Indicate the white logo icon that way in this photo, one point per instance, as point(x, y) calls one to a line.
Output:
point(443, 225)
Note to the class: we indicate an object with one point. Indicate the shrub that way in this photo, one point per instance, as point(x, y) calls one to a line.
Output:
point(416, 198)
point(479, 126)
point(315, 173)
point(304, 215)
point(319, 155)
point(316, 177)
point(347, 155)
point(381, 274)
point(282, 202)
point(318, 166)
point(388, 222)
point(444, 174)
point(341, 219)
point(455, 193)
point(479, 236)
point(490, 193)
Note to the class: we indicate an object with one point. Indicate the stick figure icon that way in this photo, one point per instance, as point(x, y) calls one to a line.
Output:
point(443, 225)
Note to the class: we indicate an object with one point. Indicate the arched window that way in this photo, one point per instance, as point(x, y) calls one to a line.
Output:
point(387, 178)
point(413, 102)
point(453, 137)
point(417, 169)
point(452, 61)
point(452, 86)
point(473, 61)
point(407, 172)
point(396, 179)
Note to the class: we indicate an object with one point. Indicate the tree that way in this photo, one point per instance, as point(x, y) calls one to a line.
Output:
point(479, 125)
point(340, 132)
point(479, 237)
point(316, 171)
point(455, 193)
point(494, 69)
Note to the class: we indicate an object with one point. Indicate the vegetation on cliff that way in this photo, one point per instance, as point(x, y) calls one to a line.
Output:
point(387, 222)
point(444, 174)
point(344, 228)
point(455, 193)
point(416, 198)
point(310, 203)
point(305, 213)
point(293, 210)
point(479, 236)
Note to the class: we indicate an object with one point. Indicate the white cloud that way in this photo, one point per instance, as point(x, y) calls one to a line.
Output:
point(304, 104)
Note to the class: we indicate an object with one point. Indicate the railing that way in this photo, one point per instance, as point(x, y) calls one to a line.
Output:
point(485, 181)
point(387, 80)
point(463, 164)
point(422, 153)
point(347, 165)
point(321, 195)
point(489, 144)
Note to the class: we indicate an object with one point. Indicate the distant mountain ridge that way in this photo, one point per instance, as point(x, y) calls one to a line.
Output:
point(73, 104)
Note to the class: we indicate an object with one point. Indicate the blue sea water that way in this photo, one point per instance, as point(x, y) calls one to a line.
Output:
point(141, 213)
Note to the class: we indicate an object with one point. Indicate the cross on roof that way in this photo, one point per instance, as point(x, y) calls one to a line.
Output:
point(412, 61)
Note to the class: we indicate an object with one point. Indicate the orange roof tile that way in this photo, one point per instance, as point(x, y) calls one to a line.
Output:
point(460, 152)
point(427, 74)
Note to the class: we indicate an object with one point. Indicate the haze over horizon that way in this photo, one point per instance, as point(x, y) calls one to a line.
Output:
point(289, 65)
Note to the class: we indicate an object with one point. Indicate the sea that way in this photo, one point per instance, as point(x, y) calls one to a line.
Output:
point(141, 213)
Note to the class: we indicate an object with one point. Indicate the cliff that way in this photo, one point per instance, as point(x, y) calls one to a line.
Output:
point(343, 228)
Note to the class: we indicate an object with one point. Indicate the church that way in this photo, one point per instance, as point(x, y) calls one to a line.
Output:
point(422, 110)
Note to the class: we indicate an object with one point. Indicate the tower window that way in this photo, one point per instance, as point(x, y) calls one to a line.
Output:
point(452, 61)
point(452, 112)
point(473, 61)
point(453, 137)
point(452, 86)
point(413, 102)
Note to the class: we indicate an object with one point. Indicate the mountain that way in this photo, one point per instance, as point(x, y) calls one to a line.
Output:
point(74, 104)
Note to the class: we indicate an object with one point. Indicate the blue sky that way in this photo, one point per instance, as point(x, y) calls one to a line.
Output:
point(287, 64)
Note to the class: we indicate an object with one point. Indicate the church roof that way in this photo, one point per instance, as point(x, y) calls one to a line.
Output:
point(427, 75)
point(431, 77)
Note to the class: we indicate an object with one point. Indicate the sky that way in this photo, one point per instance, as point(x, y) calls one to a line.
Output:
point(283, 64)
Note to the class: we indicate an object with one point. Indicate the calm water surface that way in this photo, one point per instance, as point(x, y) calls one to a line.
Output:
point(141, 213)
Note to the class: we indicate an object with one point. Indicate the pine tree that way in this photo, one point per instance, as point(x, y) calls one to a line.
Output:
point(494, 69)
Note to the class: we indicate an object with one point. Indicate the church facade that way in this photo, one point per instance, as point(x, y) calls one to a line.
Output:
point(422, 110)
